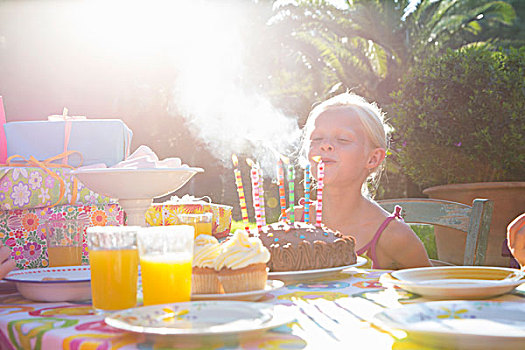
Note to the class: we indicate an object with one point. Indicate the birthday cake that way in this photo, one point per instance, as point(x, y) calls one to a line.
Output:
point(303, 246)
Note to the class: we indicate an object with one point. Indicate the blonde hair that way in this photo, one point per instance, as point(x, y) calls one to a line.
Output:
point(372, 118)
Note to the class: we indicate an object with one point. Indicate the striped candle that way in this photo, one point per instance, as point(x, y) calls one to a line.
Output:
point(240, 191)
point(255, 193)
point(282, 194)
point(320, 183)
point(307, 193)
point(261, 196)
point(291, 190)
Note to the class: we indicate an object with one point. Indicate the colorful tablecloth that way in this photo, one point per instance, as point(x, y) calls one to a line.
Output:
point(334, 313)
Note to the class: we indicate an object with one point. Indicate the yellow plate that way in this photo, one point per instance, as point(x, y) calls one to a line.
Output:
point(456, 282)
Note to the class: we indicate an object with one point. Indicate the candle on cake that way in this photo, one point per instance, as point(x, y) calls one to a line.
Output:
point(307, 193)
point(282, 198)
point(261, 196)
point(240, 191)
point(320, 183)
point(254, 172)
point(291, 190)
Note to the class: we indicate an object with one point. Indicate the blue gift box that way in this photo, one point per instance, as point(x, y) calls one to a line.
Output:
point(98, 140)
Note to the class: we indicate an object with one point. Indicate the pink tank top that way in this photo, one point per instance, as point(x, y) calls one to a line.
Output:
point(370, 247)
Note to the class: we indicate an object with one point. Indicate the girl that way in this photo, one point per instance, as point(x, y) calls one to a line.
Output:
point(349, 135)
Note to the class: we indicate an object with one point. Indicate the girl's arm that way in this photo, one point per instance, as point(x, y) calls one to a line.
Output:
point(6, 263)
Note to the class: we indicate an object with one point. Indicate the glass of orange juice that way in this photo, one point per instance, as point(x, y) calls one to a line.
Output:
point(165, 255)
point(202, 223)
point(64, 242)
point(114, 263)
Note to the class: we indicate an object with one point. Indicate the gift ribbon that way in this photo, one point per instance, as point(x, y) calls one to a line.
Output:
point(67, 128)
point(67, 119)
point(45, 165)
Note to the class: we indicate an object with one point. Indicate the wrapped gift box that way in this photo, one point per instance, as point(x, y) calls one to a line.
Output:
point(32, 187)
point(24, 232)
point(163, 214)
point(97, 140)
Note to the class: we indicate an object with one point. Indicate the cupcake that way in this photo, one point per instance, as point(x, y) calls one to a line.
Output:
point(204, 278)
point(241, 263)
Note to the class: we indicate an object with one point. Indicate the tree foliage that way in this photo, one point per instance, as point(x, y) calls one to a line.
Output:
point(368, 45)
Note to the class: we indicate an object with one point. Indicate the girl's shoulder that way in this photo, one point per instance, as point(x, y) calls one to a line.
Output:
point(398, 237)
point(394, 226)
point(374, 213)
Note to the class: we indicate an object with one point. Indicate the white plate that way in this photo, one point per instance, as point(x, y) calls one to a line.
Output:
point(131, 183)
point(303, 275)
point(252, 295)
point(202, 318)
point(456, 282)
point(53, 284)
point(460, 323)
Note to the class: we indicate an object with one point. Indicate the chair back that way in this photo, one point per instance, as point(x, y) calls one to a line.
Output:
point(474, 220)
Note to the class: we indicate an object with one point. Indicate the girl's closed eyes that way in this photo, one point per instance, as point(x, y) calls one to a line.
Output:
point(339, 137)
point(345, 138)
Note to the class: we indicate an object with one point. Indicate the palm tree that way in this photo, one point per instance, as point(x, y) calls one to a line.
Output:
point(504, 35)
point(369, 44)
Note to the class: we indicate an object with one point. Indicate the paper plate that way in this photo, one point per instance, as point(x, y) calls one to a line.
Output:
point(202, 318)
point(456, 282)
point(460, 324)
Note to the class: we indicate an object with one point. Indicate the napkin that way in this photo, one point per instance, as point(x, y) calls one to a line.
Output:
point(142, 158)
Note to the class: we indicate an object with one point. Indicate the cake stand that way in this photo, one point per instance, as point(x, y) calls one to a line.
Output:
point(135, 188)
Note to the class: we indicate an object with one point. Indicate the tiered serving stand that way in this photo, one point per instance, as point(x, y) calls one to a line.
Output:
point(135, 188)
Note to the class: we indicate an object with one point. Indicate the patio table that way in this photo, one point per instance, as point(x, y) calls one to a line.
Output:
point(334, 311)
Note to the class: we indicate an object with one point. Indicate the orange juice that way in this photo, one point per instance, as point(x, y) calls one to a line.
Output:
point(166, 278)
point(201, 223)
point(114, 278)
point(202, 228)
point(64, 256)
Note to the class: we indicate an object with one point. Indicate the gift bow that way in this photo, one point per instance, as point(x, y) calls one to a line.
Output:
point(67, 127)
point(45, 165)
point(65, 117)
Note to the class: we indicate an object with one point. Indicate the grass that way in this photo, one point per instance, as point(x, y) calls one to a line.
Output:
point(426, 235)
point(424, 232)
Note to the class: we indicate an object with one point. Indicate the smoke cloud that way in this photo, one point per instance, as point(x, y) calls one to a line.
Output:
point(224, 115)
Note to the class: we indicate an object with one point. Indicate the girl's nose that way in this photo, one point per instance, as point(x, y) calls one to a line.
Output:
point(326, 146)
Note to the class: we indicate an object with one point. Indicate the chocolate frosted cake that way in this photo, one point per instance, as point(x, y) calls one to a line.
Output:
point(302, 246)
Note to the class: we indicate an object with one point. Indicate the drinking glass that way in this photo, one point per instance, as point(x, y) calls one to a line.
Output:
point(202, 223)
point(114, 266)
point(64, 242)
point(165, 255)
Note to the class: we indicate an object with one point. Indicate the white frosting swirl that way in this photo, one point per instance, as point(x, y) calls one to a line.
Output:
point(240, 250)
point(206, 249)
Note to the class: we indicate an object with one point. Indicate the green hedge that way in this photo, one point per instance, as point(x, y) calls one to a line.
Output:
point(461, 117)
